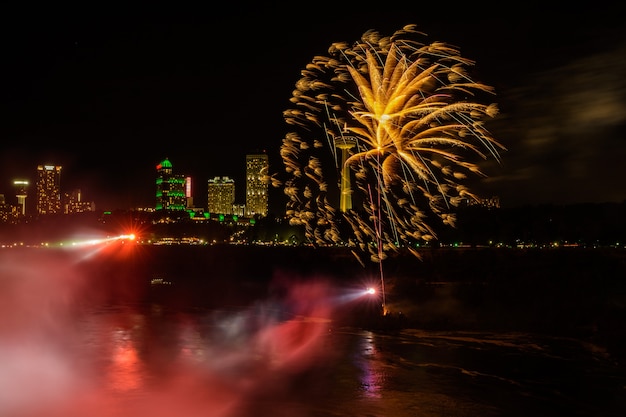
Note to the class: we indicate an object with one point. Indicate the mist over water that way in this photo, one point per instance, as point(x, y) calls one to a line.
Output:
point(84, 332)
point(67, 351)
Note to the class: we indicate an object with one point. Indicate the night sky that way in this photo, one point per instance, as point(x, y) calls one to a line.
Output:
point(108, 92)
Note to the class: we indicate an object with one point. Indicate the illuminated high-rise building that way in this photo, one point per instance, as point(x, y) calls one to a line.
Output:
point(5, 210)
point(21, 193)
point(257, 166)
point(170, 188)
point(73, 203)
point(48, 189)
point(221, 195)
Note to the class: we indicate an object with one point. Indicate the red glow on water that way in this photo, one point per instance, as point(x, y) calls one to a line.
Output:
point(106, 364)
point(123, 373)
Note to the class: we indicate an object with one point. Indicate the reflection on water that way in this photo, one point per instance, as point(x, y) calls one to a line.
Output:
point(252, 362)
point(366, 357)
point(66, 356)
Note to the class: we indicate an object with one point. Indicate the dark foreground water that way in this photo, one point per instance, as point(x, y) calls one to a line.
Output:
point(73, 345)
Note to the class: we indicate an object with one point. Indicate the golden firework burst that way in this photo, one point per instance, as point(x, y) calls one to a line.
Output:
point(415, 121)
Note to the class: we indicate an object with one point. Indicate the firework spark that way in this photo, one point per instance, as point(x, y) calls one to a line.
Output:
point(404, 119)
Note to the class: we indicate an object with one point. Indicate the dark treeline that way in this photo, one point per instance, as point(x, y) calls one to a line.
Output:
point(585, 224)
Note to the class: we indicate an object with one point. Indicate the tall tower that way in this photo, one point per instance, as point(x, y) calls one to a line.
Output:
point(21, 186)
point(170, 188)
point(345, 143)
point(257, 166)
point(48, 189)
point(221, 195)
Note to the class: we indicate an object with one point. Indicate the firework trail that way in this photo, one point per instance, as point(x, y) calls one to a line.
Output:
point(405, 120)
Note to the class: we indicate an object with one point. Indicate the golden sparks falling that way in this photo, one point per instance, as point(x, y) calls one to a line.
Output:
point(416, 120)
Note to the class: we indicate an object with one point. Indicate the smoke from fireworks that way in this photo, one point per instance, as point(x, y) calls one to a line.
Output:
point(409, 123)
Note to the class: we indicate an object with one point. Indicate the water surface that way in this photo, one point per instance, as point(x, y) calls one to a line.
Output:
point(72, 347)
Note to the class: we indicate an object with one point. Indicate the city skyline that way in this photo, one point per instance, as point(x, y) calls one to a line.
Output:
point(25, 193)
point(108, 94)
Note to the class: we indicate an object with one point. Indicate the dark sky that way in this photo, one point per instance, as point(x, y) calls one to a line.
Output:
point(108, 92)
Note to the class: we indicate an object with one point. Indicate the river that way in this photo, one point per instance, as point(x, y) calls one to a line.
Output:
point(71, 348)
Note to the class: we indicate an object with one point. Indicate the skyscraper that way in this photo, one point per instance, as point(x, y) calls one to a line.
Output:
point(73, 203)
point(5, 210)
point(257, 166)
point(48, 189)
point(221, 195)
point(170, 188)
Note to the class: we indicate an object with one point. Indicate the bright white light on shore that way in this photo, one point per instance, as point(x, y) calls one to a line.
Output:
point(93, 241)
point(353, 294)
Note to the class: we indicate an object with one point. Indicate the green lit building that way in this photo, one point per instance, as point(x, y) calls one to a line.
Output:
point(170, 188)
